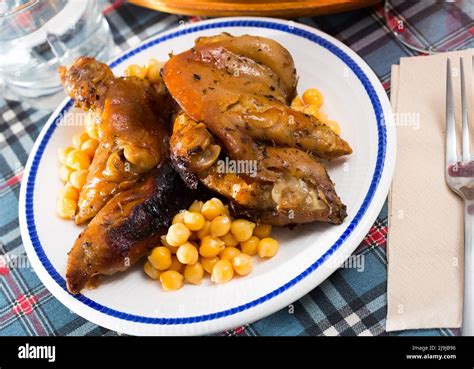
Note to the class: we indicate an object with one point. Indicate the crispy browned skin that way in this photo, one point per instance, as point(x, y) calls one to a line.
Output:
point(132, 115)
point(266, 53)
point(296, 188)
point(243, 97)
point(127, 227)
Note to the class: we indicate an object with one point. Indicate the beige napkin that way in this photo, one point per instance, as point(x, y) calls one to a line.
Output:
point(426, 234)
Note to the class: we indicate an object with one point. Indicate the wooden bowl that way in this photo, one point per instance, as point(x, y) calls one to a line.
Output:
point(278, 8)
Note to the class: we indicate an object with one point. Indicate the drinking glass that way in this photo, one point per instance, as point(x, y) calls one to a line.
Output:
point(37, 36)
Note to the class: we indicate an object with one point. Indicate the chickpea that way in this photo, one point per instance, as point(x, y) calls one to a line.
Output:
point(220, 225)
point(176, 265)
point(222, 272)
point(211, 246)
point(152, 61)
point(250, 246)
point(173, 249)
point(297, 102)
point(66, 208)
point(208, 263)
point(187, 254)
point(141, 158)
point(153, 73)
point(205, 231)
point(79, 138)
point(69, 192)
point(91, 126)
point(312, 96)
point(76, 159)
point(194, 221)
point(212, 208)
point(262, 230)
point(150, 271)
point(78, 178)
point(323, 117)
point(196, 206)
point(171, 280)
point(267, 247)
point(135, 70)
point(178, 218)
point(153, 68)
point(160, 258)
point(178, 234)
point(334, 126)
point(230, 240)
point(242, 264)
point(93, 133)
point(62, 153)
point(64, 173)
point(194, 273)
point(90, 146)
point(229, 253)
point(311, 110)
point(242, 229)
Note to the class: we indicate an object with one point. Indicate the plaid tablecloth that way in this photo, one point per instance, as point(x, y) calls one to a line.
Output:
point(351, 302)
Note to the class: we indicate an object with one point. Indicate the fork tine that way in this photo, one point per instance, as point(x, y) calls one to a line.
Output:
point(466, 138)
point(451, 156)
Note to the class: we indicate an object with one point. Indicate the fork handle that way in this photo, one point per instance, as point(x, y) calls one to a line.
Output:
point(468, 307)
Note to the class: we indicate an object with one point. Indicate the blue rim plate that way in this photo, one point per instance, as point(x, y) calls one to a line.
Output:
point(300, 279)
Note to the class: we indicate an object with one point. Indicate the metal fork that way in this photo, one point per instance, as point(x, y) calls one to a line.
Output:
point(460, 179)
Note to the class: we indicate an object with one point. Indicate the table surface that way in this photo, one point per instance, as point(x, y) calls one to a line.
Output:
point(351, 302)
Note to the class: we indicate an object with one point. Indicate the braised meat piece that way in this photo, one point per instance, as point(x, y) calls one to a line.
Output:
point(133, 119)
point(296, 187)
point(242, 100)
point(127, 227)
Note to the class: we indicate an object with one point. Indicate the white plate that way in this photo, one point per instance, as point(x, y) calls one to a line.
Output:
point(131, 303)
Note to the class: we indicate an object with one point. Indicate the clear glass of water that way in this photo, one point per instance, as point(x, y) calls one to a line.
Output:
point(37, 36)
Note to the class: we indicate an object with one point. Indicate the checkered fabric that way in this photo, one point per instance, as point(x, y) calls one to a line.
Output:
point(351, 302)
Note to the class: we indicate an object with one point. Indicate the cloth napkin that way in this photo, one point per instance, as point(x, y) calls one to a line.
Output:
point(426, 232)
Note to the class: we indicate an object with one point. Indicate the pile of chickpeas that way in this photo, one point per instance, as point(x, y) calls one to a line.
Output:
point(311, 103)
point(150, 71)
point(75, 161)
point(205, 239)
